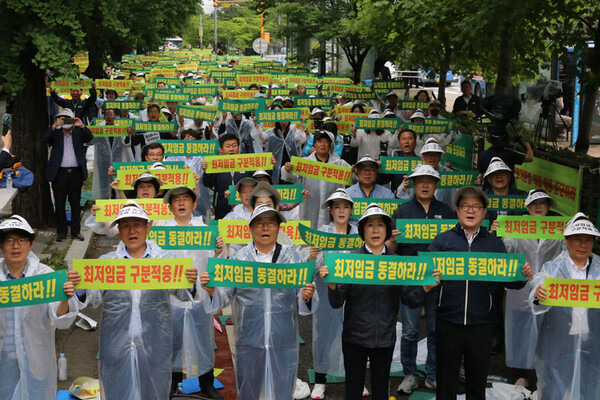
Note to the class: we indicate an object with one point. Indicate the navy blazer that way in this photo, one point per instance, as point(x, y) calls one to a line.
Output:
point(55, 139)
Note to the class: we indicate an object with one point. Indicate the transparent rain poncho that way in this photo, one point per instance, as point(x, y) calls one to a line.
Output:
point(567, 361)
point(29, 372)
point(266, 331)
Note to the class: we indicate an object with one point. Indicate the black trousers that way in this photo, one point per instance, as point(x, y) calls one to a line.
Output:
point(453, 342)
point(68, 183)
point(355, 364)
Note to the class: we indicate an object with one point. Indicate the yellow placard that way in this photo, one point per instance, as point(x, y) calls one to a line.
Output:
point(572, 293)
point(137, 273)
point(169, 178)
point(109, 209)
point(238, 162)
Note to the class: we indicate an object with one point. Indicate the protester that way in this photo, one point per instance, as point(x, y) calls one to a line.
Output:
point(82, 108)
point(265, 320)
point(67, 169)
point(467, 105)
point(567, 364)
point(521, 326)
point(319, 190)
point(193, 330)
point(370, 141)
point(220, 182)
point(134, 360)
point(464, 321)
point(423, 205)
point(327, 321)
point(366, 170)
point(370, 313)
point(27, 346)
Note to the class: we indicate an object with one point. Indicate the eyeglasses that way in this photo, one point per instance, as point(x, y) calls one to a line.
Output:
point(474, 207)
point(268, 224)
point(11, 241)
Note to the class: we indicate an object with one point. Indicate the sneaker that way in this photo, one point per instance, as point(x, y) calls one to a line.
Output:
point(365, 392)
point(302, 390)
point(318, 392)
point(430, 384)
point(409, 384)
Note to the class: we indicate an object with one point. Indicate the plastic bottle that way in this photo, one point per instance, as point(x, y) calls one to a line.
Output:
point(9, 181)
point(62, 367)
point(179, 388)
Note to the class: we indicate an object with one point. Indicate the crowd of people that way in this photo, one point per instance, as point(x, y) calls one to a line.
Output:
point(151, 339)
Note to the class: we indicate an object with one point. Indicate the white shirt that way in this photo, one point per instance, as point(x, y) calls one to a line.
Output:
point(579, 316)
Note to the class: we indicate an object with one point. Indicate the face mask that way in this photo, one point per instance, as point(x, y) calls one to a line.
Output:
point(67, 126)
point(434, 112)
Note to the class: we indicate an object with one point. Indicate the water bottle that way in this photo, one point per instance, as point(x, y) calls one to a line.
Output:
point(179, 388)
point(62, 367)
point(9, 184)
point(496, 378)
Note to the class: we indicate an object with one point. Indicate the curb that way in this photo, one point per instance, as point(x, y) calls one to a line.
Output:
point(78, 248)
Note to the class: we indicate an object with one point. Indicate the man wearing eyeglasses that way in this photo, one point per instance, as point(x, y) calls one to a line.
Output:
point(464, 321)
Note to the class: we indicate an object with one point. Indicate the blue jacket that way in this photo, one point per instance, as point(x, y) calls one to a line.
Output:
point(55, 139)
point(468, 302)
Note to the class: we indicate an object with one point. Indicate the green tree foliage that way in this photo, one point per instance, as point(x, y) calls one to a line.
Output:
point(237, 26)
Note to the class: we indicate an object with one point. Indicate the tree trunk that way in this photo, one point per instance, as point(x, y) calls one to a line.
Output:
point(444, 67)
point(95, 68)
point(504, 61)
point(322, 58)
point(586, 117)
point(30, 119)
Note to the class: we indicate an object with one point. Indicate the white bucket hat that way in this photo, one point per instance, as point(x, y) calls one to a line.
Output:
point(539, 194)
point(417, 114)
point(16, 222)
point(580, 225)
point(264, 211)
point(424, 170)
point(432, 146)
point(179, 190)
point(131, 209)
point(339, 194)
point(496, 164)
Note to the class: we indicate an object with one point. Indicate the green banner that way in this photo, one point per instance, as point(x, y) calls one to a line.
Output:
point(190, 147)
point(350, 95)
point(172, 97)
point(460, 153)
point(239, 106)
point(330, 241)
point(369, 269)
point(474, 266)
point(283, 92)
point(185, 237)
point(447, 123)
point(425, 129)
point(321, 171)
point(390, 124)
point(118, 121)
point(194, 112)
point(388, 205)
point(310, 101)
point(133, 273)
point(560, 182)
point(38, 289)
point(583, 293)
point(514, 202)
point(222, 74)
point(238, 162)
point(148, 126)
point(252, 274)
point(425, 230)
point(201, 90)
point(287, 114)
point(399, 165)
point(529, 227)
point(386, 86)
point(413, 105)
point(108, 130)
point(123, 105)
point(152, 92)
point(457, 179)
point(290, 194)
